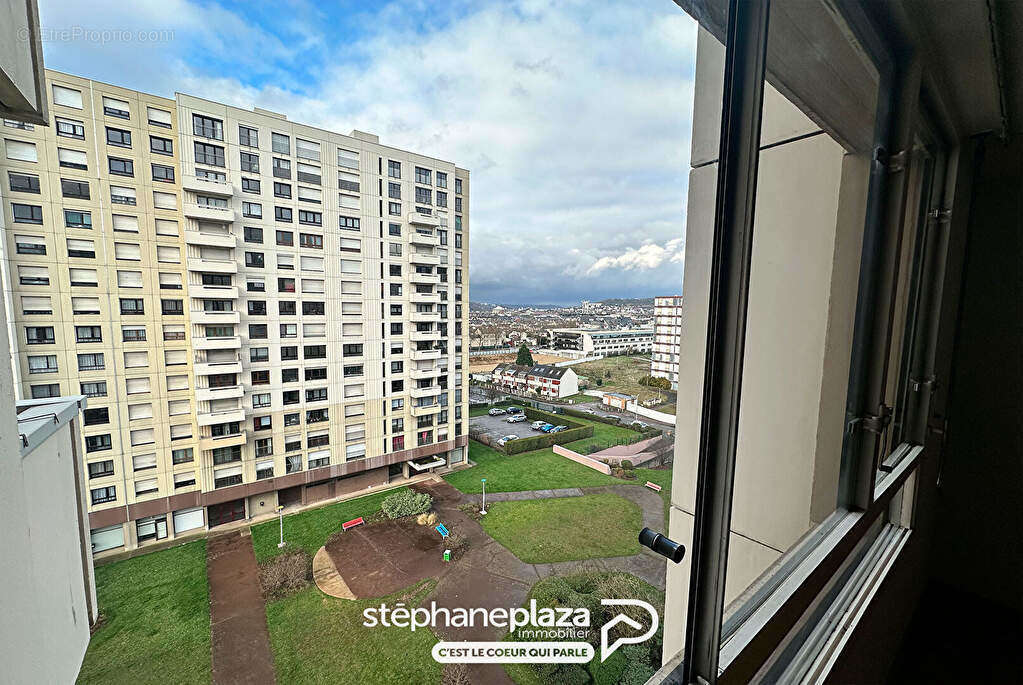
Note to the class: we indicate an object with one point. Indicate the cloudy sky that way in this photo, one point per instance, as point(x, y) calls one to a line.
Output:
point(573, 117)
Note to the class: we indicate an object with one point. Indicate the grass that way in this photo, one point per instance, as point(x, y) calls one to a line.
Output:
point(625, 375)
point(545, 531)
point(536, 470)
point(310, 529)
point(156, 619)
point(321, 639)
point(579, 398)
point(604, 435)
point(661, 477)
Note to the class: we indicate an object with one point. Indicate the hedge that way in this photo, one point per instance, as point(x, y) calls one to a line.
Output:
point(575, 432)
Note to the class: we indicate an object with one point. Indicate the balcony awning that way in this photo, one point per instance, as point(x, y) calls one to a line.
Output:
point(423, 464)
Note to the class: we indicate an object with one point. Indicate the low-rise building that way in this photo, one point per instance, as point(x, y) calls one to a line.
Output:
point(545, 380)
point(667, 336)
point(603, 343)
point(617, 400)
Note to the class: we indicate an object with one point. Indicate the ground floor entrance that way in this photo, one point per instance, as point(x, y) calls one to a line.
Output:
point(226, 512)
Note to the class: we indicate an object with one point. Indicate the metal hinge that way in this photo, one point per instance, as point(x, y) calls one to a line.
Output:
point(891, 162)
point(940, 216)
point(875, 423)
point(929, 383)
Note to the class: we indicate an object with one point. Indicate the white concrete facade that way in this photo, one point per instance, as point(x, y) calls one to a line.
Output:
point(668, 314)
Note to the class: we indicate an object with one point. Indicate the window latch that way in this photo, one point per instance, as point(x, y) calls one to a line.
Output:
point(940, 216)
point(875, 423)
point(893, 163)
point(929, 383)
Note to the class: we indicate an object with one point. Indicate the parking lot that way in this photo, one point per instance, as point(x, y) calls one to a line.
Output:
point(498, 426)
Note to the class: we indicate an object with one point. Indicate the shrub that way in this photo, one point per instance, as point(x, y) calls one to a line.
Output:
point(471, 509)
point(627, 465)
point(284, 574)
point(406, 503)
point(456, 674)
point(458, 544)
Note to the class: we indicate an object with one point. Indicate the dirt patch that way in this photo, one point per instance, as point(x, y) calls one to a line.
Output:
point(487, 362)
point(241, 641)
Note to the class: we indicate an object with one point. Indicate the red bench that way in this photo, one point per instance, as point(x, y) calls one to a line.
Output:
point(351, 524)
point(653, 486)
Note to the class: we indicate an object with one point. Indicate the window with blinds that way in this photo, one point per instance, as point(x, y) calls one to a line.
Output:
point(123, 195)
point(355, 410)
point(166, 227)
point(351, 288)
point(347, 158)
point(83, 277)
point(143, 487)
point(351, 329)
point(134, 386)
point(177, 382)
point(170, 280)
point(172, 357)
point(348, 201)
point(355, 432)
point(21, 151)
point(355, 450)
point(351, 245)
point(351, 308)
point(85, 305)
point(133, 360)
point(355, 390)
point(159, 117)
point(168, 254)
point(180, 431)
point(72, 159)
point(126, 223)
point(310, 194)
point(34, 275)
point(314, 330)
point(115, 107)
point(32, 304)
point(351, 266)
point(165, 200)
point(130, 251)
point(140, 411)
point(129, 279)
point(312, 264)
point(67, 97)
point(142, 462)
point(81, 248)
point(142, 436)
point(307, 149)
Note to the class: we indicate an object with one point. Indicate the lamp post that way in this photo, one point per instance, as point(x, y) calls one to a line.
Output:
point(483, 510)
point(280, 516)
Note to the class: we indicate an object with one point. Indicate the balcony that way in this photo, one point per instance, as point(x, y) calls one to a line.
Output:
point(214, 318)
point(211, 443)
point(417, 238)
point(210, 368)
point(222, 215)
point(431, 391)
point(213, 266)
point(212, 417)
point(432, 279)
point(210, 239)
point(424, 355)
point(419, 374)
point(205, 186)
point(423, 258)
point(425, 298)
point(214, 292)
point(222, 393)
point(423, 219)
point(227, 343)
point(426, 411)
point(424, 317)
point(424, 336)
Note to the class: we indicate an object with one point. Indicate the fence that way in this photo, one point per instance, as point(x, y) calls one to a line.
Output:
point(581, 459)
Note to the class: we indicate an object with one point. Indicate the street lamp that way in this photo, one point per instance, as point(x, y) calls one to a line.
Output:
point(483, 510)
point(280, 515)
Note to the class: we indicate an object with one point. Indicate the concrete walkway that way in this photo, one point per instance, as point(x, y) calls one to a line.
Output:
point(241, 641)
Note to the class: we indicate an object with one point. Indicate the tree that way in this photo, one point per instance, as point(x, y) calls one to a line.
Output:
point(525, 357)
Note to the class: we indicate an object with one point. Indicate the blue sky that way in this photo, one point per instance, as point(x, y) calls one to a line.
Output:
point(572, 117)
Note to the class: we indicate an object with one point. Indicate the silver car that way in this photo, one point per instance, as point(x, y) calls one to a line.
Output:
point(506, 439)
point(516, 418)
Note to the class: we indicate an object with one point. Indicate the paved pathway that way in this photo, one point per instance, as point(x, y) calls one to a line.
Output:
point(241, 641)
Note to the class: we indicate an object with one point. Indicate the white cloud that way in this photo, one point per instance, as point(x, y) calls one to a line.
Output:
point(645, 257)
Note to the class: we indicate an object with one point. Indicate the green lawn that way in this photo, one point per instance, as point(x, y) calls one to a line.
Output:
point(310, 529)
point(537, 470)
point(661, 477)
point(566, 529)
point(156, 619)
point(604, 435)
point(320, 639)
point(579, 398)
point(625, 375)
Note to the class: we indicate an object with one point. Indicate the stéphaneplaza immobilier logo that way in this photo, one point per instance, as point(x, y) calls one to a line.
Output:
point(559, 632)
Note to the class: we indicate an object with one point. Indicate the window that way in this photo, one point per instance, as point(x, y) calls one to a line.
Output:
point(458, 208)
point(307, 173)
point(249, 162)
point(106, 494)
point(43, 364)
point(159, 117)
point(393, 169)
point(250, 185)
point(286, 307)
point(100, 469)
point(261, 423)
point(281, 167)
point(121, 167)
point(394, 229)
point(253, 234)
point(394, 191)
point(88, 334)
point(115, 108)
point(260, 400)
point(349, 182)
point(394, 269)
point(283, 214)
point(74, 189)
point(442, 180)
point(163, 173)
point(118, 137)
point(282, 189)
point(424, 195)
point(311, 218)
point(208, 127)
point(316, 416)
point(285, 285)
point(161, 146)
point(289, 352)
point(458, 186)
point(349, 223)
point(257, 307)
point(172, 307)
point(264, 469)
point(310, 240)
point(313, 308)
point(95, 417)
point(30, 244)
point(314, 352)
point(69, 128)
point(24, 183)
point(133, 333)
point(254, 259)
point(280, 143)
point(94, 389)
point(252, 209)
point(21, 151)
point(27, 214)
point(97, 443)
point(213, 155)
point(91, 362)
point(289, 375)
point(248, 136)
point(259, 354)
point(394, 208)
point(422, 175)
point(257, 331)
point(348, 159)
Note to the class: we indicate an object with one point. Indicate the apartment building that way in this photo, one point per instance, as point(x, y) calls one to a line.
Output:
point(260, 312)
point(545, 380)
point(667, 337)
point(602, 343)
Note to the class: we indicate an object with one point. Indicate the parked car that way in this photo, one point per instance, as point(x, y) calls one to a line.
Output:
point(589, 411)
point(537, 425)
point(547, 427)
point(496, 411)
point(640, 425)
point(506, 439)
point(513, 410)
point(516, 418)
point(558, 429)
